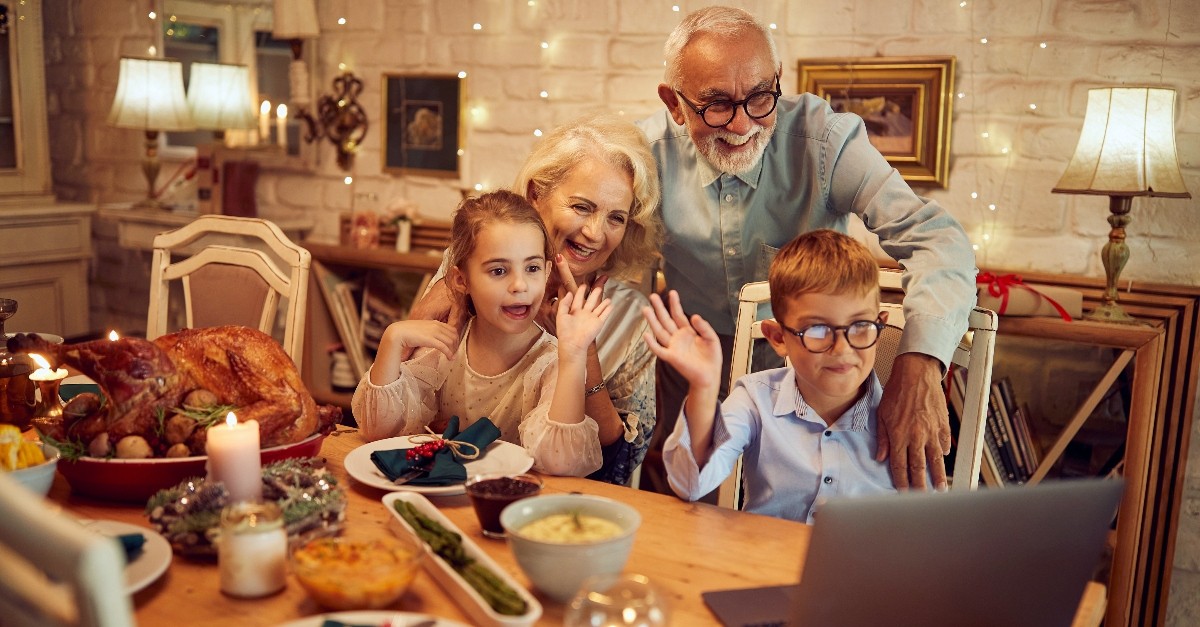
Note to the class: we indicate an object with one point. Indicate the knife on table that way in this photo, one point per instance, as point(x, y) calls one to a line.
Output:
point(410, 475)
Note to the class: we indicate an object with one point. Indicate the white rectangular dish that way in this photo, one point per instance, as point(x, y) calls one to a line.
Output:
point(453, 583)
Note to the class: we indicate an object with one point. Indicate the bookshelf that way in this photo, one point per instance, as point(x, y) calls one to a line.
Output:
point(320, 327)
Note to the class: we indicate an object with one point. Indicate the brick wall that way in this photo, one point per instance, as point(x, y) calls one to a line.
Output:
point(607, 53)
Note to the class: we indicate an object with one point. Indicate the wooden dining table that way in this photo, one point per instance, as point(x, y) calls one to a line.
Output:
point(684, 548)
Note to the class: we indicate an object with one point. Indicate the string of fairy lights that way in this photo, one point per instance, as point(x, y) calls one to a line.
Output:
point(996, 130)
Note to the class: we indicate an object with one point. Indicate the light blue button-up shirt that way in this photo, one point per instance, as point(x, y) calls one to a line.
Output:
point(723, 229)
point(792, 461)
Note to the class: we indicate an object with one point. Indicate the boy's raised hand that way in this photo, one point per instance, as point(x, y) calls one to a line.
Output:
point(691, 346)
point(580, 316)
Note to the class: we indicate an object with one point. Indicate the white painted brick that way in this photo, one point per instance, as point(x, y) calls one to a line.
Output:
point(634, 54)
point(940, 17)
point(882, 18)
point(807, 18)
point(1005, 19)
point(653, 18)
point(1124, 19)
point(579, 52)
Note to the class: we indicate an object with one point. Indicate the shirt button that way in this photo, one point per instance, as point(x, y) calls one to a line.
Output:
point(828, 480)
point(731, 252)
point(828, 433)
point(728, 197)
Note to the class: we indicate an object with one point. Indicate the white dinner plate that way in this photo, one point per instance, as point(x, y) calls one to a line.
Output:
point(375, 619)
point(501, 457)
point(150, 564)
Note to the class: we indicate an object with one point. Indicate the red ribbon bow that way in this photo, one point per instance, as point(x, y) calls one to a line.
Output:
point(998, 285)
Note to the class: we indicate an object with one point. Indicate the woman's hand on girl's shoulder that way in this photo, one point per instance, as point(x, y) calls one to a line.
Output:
point(580, 317)
point(406, 336)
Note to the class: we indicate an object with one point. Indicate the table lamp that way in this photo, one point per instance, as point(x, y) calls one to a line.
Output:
point(295, 21)
point(218, 97)
point(1126, 149)
point(150, 98)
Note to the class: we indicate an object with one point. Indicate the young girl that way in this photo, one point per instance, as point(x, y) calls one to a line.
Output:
point(505, 367)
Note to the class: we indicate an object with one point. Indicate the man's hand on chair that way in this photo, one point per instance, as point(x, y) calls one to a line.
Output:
point(914, 423)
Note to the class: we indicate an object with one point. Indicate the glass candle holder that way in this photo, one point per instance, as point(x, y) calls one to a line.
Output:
point(252, 550)
point(618, 599)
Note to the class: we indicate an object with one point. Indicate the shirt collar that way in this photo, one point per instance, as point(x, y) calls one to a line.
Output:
point(790, 401)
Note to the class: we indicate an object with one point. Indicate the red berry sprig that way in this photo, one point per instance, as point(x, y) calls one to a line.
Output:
point(424, 451)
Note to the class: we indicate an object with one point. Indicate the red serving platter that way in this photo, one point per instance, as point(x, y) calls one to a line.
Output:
point(138, 479)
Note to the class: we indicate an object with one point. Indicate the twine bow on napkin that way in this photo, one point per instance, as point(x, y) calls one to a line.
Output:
point(447, 466)
point(998, 284)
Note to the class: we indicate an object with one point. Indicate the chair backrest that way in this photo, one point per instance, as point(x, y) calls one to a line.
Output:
point(973, 353)
point(53, 571)
point(229, 278)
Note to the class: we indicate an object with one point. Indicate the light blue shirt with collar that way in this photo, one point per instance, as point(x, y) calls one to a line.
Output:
point(792, 460)
point(817, 170)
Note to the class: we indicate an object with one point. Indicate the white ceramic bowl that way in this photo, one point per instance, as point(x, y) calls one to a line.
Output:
point(39, 478)
point(558, 569)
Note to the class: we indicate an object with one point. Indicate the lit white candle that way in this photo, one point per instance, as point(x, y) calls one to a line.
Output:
point(281, 125)
point(44, 372)
point(264, 122)
point(252, 550)
point(234, 458)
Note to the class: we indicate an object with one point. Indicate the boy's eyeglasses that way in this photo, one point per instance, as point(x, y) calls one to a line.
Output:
point(819, 338)
point(719, 113)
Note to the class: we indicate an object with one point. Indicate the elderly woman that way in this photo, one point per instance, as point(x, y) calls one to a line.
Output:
point(595, 184)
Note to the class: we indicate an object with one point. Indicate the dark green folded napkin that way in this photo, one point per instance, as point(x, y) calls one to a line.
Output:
point(447, 468)
point(131, 544)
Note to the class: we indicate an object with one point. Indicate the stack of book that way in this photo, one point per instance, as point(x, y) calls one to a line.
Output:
point(1011, 453)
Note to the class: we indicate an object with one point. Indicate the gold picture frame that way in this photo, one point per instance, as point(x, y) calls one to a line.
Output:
point(905, 102)
point(423, 124)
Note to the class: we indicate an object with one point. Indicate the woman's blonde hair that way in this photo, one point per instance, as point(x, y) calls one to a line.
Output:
point(617, 142)
point(821, 262)
point(476, 212)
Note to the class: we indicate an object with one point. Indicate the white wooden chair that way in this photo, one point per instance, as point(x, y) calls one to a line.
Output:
point(229, 278)
point(974, 352)
point(53, 571)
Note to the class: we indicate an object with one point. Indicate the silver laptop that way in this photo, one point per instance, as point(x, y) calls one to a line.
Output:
point(1017, 556)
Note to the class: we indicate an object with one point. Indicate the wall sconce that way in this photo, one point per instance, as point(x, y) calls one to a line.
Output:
point(340, 119)
point(1126, 149)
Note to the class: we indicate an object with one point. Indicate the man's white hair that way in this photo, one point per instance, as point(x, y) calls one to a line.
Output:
point(721, 21)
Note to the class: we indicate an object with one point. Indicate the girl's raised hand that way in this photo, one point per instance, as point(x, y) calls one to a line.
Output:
point(691, 346)
point(561, 283)
point(406, 336)
point(580, 316)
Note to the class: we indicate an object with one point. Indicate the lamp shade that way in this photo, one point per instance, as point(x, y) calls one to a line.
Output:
point(218, 96)
point(295, 19)
point(1127, 146)
point(150, 96)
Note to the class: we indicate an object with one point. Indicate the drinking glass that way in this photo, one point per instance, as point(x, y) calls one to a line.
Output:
point(618, 599)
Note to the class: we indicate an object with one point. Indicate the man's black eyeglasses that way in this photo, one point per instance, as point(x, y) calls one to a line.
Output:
point(719, 113)
point(819, 338)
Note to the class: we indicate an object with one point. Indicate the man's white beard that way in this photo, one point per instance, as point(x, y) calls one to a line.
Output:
point(737, 163)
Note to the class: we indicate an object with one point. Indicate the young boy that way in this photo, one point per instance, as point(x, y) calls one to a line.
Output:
point(807, 431)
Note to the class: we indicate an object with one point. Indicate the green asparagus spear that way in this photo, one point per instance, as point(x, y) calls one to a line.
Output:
point(448, 546)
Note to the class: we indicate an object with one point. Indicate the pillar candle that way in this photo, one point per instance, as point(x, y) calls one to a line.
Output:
point(264, 122)
point(234, 458)
point(281, 125)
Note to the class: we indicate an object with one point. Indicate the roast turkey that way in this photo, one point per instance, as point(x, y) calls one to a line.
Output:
point(145, 381)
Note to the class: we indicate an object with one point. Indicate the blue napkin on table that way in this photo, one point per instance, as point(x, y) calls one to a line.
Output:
point(131, 545)
point(447, 468)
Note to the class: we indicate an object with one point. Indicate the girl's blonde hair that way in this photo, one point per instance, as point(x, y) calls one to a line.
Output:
point(821, 262)
point(619, 143)
point(476, 212)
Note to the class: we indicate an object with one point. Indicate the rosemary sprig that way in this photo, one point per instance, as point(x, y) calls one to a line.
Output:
point(70, 450)
point(206, 417)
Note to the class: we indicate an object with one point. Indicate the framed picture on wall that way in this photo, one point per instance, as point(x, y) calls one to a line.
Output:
point(904, 101)
point(423, 124)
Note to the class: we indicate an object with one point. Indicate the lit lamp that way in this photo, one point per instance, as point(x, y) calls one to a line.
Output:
point(296, 20)
point(150, 98)
point(218, 97)
point(1126, 149)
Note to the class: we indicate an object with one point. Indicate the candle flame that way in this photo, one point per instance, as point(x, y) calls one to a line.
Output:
point(41, 361)
point(281, 111)
point(112, 335)
point(230, 419)
point(265, 107)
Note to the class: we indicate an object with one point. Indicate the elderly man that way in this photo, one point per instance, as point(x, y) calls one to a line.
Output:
point(744, 170)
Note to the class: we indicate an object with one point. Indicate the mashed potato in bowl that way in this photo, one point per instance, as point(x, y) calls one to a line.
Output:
point(570, 529)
